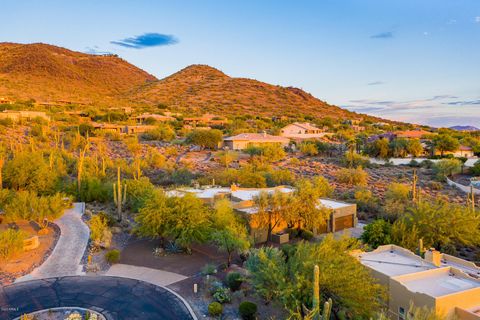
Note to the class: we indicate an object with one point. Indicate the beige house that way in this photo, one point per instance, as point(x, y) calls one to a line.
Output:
point(299, 130)
point(19, 115)
point(342, 215)
point(446, 284)
point(206, 120)
point(157, 117)
point(462, 151)
point(245, 140)
point(137, 129)
point(4, 100)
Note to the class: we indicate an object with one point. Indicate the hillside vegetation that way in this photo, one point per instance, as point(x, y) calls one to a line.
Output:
point(51, 74)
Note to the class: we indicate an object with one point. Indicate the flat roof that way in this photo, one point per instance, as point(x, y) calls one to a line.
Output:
point(440, 282)
point(394, 262)
point(332, 204)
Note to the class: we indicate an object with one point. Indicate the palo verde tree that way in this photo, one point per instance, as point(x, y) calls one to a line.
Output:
point(229, 234)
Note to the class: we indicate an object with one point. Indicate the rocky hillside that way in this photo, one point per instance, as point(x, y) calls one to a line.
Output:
point(200, 88)
point(52, 74)
point(48, 73)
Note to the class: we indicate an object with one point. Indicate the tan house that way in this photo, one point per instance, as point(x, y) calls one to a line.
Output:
point(245, 140)
point(108, 127)
point(4, 100)
point(205, 120)
point(446, 284)
point(15, 115)
point(299, 130)
point(137, 129)
point(342, 215)
point(157, 117)
point(462, 151)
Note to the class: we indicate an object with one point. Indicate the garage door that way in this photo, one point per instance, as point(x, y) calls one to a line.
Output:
point(343, 222)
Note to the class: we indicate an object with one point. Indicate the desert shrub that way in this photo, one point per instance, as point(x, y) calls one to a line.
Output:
point(294, 161)
point(414, 163)
point(138, 192)
point(352, 176)
point(209, 269)
point(279, 177)
point(365, 200)
point(306, 235)
point(247, 310)
point(162, 132)
point(11, 243)
point(215, 309)
point(112, 256)
point(354, 160)
point(447, 167)
point(205, 138)
point(377, 233)
point(93, 189)
point(100, 233)
point(269, 152)
point(475, 170)
point(234, 280)
point(427, 164)
point(308, 148)
point(182, 176)
point(435, 185)
point(222, 295)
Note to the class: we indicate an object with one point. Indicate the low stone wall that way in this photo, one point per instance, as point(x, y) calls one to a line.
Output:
point(461, 187)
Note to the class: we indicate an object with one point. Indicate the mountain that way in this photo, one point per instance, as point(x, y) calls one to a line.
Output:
point(200, 88)
point(52, 74)
point(48, 73)
point(464, 128)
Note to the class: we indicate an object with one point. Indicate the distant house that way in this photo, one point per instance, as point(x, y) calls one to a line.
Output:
point(4, 100)
point(462, 151)
point(448, 285)
point(19, 115)
point(108, 127)
point(245, 140)
point(299, 130)
point(342, 215)
point(205, 120)
point(157, 117)
point(137, 129)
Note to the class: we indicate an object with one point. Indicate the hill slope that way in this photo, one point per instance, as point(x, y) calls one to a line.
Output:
point(52, 74)
point(200, 88)
point(48, 73)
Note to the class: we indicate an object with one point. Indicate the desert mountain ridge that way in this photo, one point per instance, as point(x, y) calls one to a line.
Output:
point(52, 74)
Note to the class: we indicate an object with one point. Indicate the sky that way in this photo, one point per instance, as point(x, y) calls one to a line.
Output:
point(408, 60)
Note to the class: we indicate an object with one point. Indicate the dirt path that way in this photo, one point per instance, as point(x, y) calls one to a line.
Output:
point(65, 258)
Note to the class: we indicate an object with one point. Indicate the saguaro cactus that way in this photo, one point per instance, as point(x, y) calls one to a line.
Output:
point(471, 199)
point(118, 197)
point(327, 306)
point(414, 186)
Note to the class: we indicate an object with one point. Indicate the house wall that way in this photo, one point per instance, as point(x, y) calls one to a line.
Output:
point(400, 296)
point(467, 299)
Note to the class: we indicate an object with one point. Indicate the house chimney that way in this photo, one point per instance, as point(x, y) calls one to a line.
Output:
point(433, 256)
point(233, 187)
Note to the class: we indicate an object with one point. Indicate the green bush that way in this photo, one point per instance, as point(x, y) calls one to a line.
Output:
point(112, 256)
point(215, 309)
point(306, 235)
point(247, 310)
point(222, 295)
point(292, 232)
point(353, 177)
point(11, 243)
point(209, 269)
point(234, 280)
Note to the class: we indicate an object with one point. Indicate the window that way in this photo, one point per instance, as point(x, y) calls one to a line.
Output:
point(401, 313)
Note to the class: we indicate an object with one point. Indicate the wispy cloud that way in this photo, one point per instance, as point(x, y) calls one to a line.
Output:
point(382, 35)
point(452, 21)
point(146, 40)
point(375, 83)
point(96, 50)
point(477, 19)
point(439, 110)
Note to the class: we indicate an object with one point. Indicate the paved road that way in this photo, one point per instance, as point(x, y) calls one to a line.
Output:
point(65, 258)
point(153, 276)
point(116, 298)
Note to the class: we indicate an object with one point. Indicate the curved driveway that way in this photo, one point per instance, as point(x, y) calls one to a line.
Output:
point(116, 298)
point(67, 255)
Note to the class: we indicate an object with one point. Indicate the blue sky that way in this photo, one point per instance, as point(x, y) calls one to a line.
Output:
point(408, 60)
